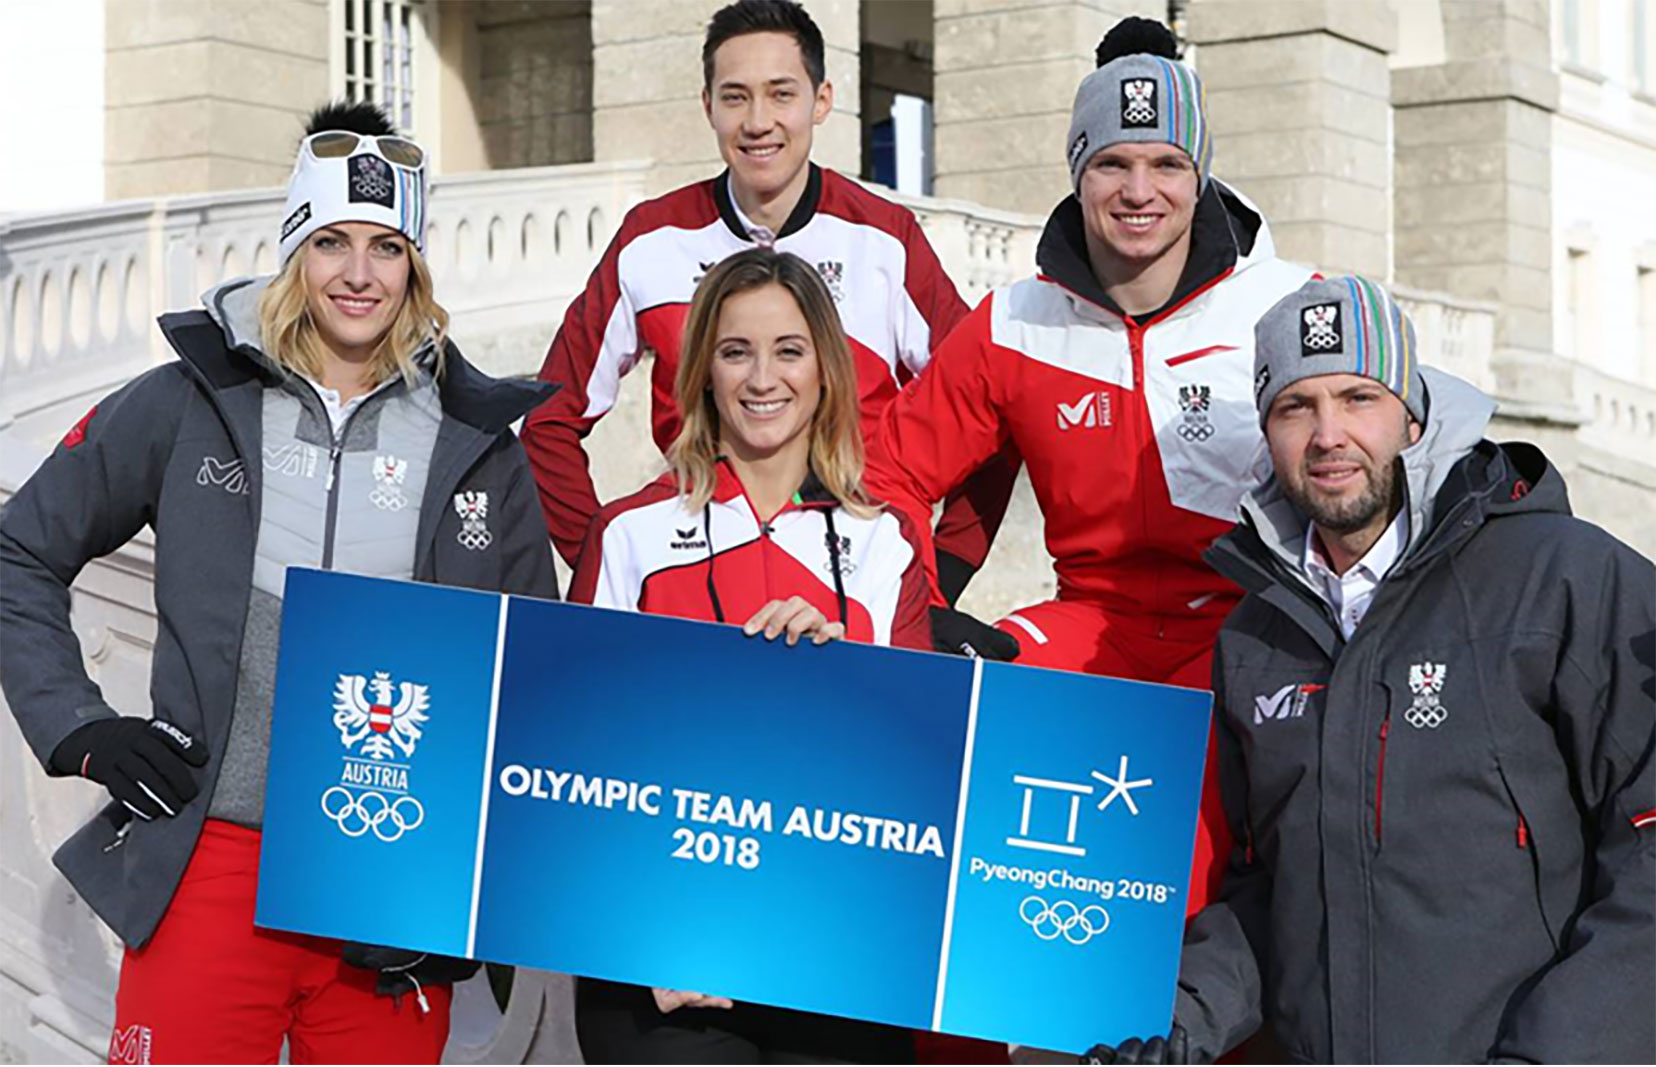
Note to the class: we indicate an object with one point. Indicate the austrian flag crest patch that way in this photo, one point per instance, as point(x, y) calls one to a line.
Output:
point(473, 508)
point(1426, 681)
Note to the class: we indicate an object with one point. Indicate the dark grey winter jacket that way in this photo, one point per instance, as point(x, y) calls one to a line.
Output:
point(1445, 836)
point(178, 449)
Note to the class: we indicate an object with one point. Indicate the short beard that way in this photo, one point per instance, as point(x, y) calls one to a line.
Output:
point(1384, 493)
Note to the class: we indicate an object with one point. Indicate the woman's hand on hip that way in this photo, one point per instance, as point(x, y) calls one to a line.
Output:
point(797, 618)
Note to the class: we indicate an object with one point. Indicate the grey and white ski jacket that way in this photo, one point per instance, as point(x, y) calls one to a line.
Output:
point(237, 468)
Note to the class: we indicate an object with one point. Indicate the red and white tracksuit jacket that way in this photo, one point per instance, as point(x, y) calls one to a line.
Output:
point(1140, 439)
point(646, 552)
point(893, 297)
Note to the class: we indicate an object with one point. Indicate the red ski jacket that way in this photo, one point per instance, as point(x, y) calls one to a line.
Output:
point(1139, 437)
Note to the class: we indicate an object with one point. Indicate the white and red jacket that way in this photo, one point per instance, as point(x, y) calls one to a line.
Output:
point(1139, 437)
point(893, 297)
point(647, 552)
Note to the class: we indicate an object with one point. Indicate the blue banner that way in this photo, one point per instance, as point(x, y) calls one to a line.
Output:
point(922, 840)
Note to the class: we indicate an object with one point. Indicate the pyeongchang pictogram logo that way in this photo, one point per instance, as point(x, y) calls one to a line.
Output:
point(1091, 412)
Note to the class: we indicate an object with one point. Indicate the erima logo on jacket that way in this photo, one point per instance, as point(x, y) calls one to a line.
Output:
point(1286, 703)
point(687, 539)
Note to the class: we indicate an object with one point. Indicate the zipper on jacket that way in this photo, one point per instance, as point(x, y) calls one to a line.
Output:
point(1380, 776)
point(1523, 832)
point(764, 553)
point(336, 451)
point(332, 518)
point(1141, 411)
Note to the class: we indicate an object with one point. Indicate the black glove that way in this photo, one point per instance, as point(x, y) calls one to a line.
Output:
point(403, 970)
point(957, 633)
point(1174, 1048)
point(952, 575)
point(144, 763)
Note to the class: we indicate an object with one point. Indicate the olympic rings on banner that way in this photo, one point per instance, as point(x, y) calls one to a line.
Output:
point(360, 813)
point(1063, 919)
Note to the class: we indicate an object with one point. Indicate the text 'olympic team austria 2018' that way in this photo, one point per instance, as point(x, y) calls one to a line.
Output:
point(1427, 823)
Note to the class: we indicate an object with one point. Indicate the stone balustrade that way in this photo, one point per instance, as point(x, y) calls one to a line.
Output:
point(1621, 415)
point(1454, 335)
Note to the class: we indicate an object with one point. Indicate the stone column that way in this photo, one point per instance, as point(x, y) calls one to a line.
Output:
point(203, 95)
point(647, 83)
point(1298, 97)
point(1473, 188)
point(1005, 76)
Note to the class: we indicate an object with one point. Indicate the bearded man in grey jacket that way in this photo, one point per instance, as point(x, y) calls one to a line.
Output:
point(1436, 711)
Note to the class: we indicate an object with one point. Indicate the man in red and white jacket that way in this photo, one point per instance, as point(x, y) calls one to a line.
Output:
point(765, 91)
point(1122, 373)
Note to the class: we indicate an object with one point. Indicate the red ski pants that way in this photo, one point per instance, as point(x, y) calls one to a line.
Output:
point(209, 987)
point(1085, 636)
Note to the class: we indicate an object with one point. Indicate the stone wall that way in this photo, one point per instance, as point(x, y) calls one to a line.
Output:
point(203, 95)
point(1005, 76)
point(1298, 95)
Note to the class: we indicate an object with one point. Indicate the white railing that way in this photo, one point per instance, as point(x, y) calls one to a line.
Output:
point(980, 247)
point(1454, 335)
point(1620, 415)
point(79, 290)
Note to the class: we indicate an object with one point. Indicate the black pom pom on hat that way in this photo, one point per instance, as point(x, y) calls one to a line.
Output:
point(361, 117)
point(1134, 36)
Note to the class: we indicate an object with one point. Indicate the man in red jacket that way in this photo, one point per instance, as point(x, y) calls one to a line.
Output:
point(765, 92)
point(1122, 374)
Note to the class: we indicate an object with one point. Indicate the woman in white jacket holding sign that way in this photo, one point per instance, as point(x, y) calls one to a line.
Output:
point(761, 522)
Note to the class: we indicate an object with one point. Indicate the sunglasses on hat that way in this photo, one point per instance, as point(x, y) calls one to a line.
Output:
point(339, 144)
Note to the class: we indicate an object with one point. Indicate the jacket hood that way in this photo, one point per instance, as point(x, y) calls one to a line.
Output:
point(1457, 415)
point(466, 393)
point(1227, 233)
point(234, 305)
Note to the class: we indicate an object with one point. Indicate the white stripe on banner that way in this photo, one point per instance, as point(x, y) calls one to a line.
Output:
point(960, 830)
point(488, 767)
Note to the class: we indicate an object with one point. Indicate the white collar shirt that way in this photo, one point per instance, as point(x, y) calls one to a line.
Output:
point(763, 236)
point(1350, 594)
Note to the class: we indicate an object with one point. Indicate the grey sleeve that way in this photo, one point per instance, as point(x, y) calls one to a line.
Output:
point(1593, 1002)
point(96, 490)
point(1220, 995)
point(526, 555)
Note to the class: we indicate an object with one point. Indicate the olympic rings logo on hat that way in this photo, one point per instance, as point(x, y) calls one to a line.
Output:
point(358, 814)
point(1063, 919)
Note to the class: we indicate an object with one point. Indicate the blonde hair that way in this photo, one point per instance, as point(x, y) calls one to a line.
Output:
point(836, 453)
point(291, 340)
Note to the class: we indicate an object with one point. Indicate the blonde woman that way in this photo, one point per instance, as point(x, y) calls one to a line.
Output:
point(761, 522)
point(316, 418)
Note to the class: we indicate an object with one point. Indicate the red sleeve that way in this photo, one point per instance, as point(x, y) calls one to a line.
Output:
point(929, 287)
point(972, 513)
point(583, 584)
point(911, 625)
point(553, 432)
point(940, 429)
